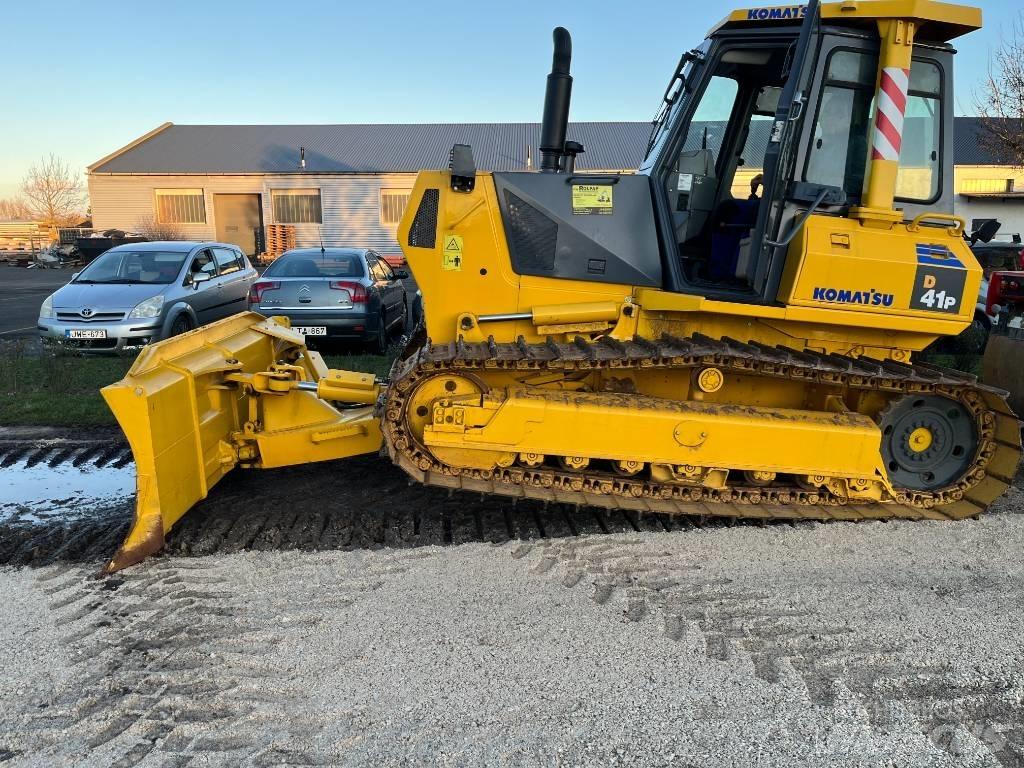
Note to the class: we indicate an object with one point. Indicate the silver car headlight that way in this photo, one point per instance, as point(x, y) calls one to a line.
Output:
point(149, 307)
point(46, 310)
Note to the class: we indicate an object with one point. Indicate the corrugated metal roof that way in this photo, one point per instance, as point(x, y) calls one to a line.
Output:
point(391, 148)
point(367, 148)
point(969, 145)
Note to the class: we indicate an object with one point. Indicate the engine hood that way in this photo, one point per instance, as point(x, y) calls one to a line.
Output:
point(101, 296)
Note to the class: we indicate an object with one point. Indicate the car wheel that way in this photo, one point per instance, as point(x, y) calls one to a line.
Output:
point(979, 331)
point(180, 325)
point(380, 338)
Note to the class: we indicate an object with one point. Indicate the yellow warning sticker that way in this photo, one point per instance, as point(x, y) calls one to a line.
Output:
point(451, 253)
point(591, 198)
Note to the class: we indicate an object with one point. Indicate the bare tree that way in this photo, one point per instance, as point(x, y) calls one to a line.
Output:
point(149, 227)
point(1001, 102)
point(14, 209)
point(53, 193)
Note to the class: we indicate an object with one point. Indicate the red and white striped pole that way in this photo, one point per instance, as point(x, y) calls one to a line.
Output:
point(892, 105)
point(887, 132)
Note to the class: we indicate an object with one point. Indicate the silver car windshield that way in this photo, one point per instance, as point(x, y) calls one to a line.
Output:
point(316, 265)
point(146, 267)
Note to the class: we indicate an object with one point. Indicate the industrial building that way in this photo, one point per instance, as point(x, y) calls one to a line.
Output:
point(348, 184)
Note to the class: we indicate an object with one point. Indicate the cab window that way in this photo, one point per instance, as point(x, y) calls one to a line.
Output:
point(918, 177)
point(840, 144)
point(707, 128)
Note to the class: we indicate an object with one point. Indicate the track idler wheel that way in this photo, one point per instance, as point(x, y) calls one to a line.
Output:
point(928, 441)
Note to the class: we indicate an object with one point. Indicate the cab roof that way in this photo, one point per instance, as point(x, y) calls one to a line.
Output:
point(936, 21)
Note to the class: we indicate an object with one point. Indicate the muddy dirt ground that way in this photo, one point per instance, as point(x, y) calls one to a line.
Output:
point(335, 615)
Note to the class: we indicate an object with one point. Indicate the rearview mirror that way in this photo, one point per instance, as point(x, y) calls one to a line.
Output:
point(75, 276)
point(986, 231)
point(200, 277)
point(768, 100)
point(401, 274)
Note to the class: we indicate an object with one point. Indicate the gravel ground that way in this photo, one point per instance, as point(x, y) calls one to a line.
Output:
point(836, 645)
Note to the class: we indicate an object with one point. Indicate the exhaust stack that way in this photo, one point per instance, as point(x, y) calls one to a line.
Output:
point(556, 104)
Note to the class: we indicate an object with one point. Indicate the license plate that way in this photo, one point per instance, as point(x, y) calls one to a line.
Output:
point(310, 330)
point(85, 333)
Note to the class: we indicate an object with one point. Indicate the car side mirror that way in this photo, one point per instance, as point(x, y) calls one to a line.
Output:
point(200, 277)
point(75, 276)
point(401, 274)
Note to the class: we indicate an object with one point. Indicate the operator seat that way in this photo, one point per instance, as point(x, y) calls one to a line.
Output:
point(730, 238)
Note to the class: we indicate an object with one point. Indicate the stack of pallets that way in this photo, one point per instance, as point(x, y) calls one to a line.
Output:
point(280, 238)
point(21, 239)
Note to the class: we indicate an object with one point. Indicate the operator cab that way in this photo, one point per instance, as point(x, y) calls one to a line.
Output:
point(714, 187)
point(767, 122)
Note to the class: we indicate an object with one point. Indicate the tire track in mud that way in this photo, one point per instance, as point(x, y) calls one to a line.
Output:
point(359, 503)
point(878, 685)
point(170, 667)
point(70, 529)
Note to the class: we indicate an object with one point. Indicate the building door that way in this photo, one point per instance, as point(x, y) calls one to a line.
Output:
point(237, 218)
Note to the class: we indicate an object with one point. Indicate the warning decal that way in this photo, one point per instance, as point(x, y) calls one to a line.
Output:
point(451, 254)
point(591, 198)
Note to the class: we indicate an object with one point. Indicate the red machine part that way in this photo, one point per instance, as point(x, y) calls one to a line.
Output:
point(1007, 290)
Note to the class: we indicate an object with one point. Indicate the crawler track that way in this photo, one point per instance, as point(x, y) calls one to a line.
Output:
point(987, 476)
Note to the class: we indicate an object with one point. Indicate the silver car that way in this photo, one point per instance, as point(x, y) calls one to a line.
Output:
point(141, 292)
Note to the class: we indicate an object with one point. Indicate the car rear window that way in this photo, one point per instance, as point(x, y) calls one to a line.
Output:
point(316, 265)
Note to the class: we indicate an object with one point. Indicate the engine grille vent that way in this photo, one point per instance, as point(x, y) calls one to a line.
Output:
point(532, 234)
point(423, 232)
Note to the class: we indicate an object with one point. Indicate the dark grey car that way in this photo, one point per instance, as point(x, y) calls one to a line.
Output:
point(343, 294)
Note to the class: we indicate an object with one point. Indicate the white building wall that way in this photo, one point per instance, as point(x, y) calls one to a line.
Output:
point(1010, 213)
point(350, 204)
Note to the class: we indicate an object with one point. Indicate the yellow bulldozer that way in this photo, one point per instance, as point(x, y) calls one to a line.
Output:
point(727, 331)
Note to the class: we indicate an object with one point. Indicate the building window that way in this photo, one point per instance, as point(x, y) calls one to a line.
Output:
point(986, 185)
point(297, 206)
point(180, 206)
point(392, 205)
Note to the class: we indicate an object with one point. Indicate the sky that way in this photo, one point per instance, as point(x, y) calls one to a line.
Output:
point(83, 79)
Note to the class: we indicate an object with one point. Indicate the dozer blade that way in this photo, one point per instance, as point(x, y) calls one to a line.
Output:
point(244, 390)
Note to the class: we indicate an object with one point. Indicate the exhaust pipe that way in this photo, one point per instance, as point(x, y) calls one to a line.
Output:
point(556, 104)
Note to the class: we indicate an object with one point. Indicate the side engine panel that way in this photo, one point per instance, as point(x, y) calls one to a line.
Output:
point(596, 228)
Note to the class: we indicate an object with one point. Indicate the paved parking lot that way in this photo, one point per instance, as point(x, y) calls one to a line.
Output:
point(21, 292)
